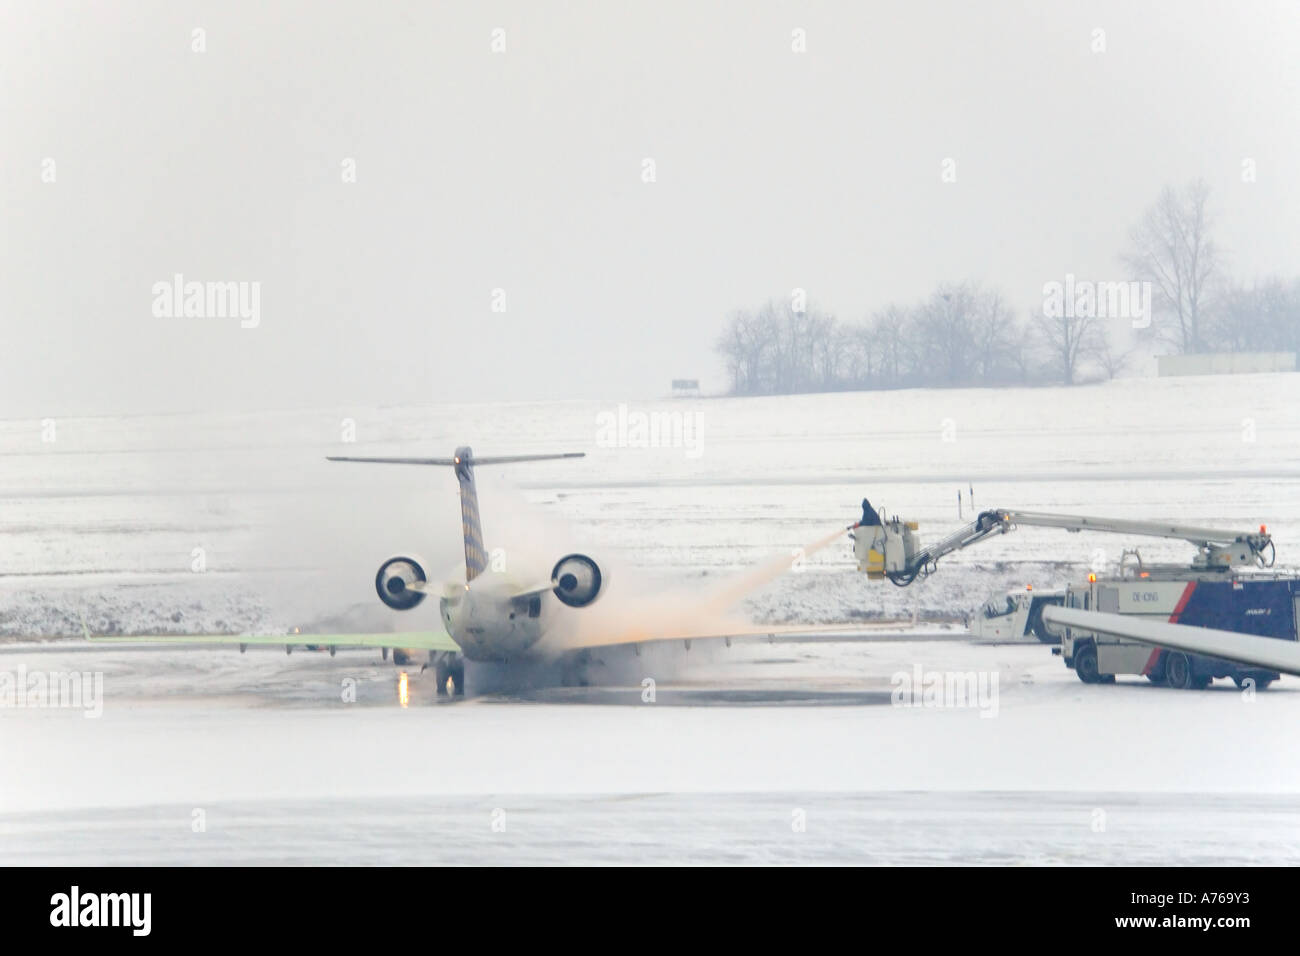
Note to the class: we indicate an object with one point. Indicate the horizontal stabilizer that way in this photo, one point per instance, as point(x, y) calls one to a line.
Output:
point(488, 460)
point(395, 461)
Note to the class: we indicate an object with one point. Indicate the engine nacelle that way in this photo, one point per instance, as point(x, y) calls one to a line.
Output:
point(396, 583)
point(576, 580)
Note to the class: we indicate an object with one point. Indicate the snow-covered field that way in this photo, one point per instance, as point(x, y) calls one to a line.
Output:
point(234, 522)
point(114, 516)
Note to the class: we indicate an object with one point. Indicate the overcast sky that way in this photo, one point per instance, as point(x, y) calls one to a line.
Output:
point(524, 171)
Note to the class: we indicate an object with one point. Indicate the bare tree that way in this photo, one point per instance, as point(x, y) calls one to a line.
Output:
point(1070, 340)
point(823, 351)
point(748, 344)
point(890, 329)
point(1172, 249)
point(961, 335)
point(1264, 316)
point(1111, 359)
point(995, 334)
point(1023, 355)
point(858, 354)
point(777, 350)
point(944, 328)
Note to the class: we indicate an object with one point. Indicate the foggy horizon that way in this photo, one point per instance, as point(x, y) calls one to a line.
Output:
point(522, 170)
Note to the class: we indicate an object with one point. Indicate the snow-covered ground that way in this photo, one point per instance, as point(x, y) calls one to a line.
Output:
point(760, 753)
point(233, 522)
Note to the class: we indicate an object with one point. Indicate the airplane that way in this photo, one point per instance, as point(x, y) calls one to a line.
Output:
point(490, 618)
point(494, 618)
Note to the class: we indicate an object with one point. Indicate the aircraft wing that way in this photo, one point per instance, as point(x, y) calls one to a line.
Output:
point(777, 634)
point(1270, 652)
point(409, 640)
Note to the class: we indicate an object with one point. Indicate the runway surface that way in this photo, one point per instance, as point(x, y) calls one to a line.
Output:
point(895, 828)
point(751, 754)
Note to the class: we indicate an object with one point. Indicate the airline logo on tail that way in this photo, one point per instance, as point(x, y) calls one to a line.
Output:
point(471, 528)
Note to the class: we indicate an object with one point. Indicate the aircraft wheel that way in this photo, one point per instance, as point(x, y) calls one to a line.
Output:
point(1178, 670)
point(458, 678)
point(384, 652)
point(440, 674)
point(577, 670)
point(1085, 664)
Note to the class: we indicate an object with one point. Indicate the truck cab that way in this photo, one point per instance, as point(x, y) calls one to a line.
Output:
point(1013, 615)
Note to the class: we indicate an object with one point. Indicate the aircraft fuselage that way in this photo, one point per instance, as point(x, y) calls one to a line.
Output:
point(487, 624)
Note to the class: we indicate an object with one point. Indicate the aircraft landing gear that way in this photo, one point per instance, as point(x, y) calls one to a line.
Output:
point(448, 665)
point(575, 670)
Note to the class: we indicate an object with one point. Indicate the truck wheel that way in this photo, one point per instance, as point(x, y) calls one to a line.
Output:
point(1261, 683)
point(1085, 664)
point(1178, 670)
point(1037, 628)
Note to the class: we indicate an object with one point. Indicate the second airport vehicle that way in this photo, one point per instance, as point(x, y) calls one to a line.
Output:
point(1010, 616)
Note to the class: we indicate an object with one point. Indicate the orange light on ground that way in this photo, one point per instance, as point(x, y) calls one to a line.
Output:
point(403, 689)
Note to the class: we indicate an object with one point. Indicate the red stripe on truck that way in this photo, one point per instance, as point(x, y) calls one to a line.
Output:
point(1182, 602)
point(1173, 619)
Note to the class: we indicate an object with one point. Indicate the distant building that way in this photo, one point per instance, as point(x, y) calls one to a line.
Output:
point(1225, 363)
point(685, 386)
